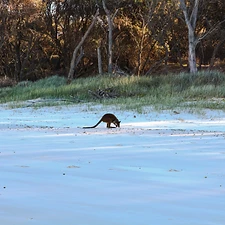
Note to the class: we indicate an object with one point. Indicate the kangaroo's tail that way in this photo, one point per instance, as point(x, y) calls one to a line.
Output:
point(94, 125)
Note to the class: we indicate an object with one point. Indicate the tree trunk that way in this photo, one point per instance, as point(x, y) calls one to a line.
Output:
point(192, 52)
point(110, 52)
point(74, 58)
point(192, 40)
point(110, 34)
point(99, 60)
point(141, 47)
point(18, 63)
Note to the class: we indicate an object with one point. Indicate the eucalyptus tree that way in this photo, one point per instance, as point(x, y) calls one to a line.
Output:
point(145, 29)
point(191, 19)
point(20, 37)
point(200, 26)
point(67, 22)
point(110, 12)
point(214, 21)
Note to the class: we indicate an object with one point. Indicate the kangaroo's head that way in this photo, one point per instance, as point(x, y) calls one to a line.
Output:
point(116, 123)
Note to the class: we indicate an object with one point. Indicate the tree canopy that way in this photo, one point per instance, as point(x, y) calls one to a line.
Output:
point(38, 38)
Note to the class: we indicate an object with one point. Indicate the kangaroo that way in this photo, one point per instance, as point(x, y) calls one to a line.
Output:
point(108, 118)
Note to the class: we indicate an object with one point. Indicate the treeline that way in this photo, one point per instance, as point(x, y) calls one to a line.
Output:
point(38, 38)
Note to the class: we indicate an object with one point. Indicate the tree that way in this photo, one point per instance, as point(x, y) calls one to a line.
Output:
point(21, 38)
point(205, 28)
point(132, 36)
point(192, 39)
point(110, 30)
point(74, 60)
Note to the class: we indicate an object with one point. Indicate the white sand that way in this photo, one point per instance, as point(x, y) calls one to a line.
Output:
point(158, 168)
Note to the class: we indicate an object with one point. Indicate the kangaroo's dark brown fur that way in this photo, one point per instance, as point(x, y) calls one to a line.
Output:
point(107, 118)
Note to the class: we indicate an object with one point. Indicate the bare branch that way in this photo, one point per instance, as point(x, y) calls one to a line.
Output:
point(184, 9)
point(114, 15)
point(211, 30)
point(182, 5)
point(74, 58)
point(193, 17)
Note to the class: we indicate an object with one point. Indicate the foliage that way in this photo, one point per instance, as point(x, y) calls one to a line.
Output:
point(38, 37)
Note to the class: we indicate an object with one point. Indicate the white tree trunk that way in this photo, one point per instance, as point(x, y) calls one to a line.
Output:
point(192, 42)
point(74, 58)
point(110, 34)
point(192, 39)
point(99, 60)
